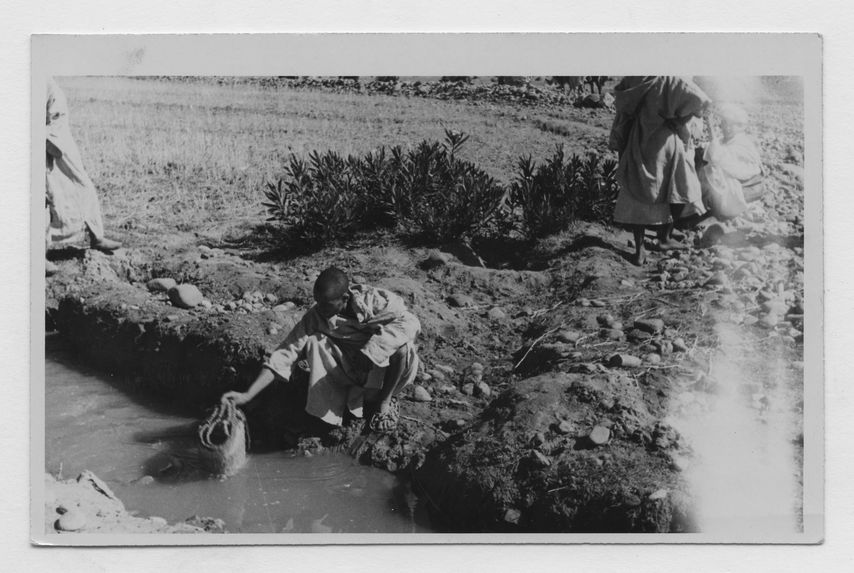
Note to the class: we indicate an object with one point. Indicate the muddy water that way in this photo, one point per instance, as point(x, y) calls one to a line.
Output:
point(145, 452)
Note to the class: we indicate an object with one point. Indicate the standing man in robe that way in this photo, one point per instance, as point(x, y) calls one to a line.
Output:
point(72, 200)
point(652, 132)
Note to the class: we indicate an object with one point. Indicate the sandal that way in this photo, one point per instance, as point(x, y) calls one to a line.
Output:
point(385, 422)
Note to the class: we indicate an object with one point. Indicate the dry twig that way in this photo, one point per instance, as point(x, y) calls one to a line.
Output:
point(530, 348)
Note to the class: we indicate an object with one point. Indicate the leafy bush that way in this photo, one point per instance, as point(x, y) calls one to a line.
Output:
point(551, 196)
point(320, 200)
point(439, 197)
point(427, 192)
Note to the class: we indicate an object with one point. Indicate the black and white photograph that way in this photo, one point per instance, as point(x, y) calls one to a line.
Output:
point(426, 308)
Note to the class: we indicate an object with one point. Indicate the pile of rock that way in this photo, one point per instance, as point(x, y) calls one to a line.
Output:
point(525, 94)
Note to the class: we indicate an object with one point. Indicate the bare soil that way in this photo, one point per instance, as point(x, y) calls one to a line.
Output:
point(555, 435)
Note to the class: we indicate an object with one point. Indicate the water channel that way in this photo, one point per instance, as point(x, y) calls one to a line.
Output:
point(143, 449)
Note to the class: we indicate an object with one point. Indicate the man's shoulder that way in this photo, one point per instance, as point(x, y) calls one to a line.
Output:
point(376, 298)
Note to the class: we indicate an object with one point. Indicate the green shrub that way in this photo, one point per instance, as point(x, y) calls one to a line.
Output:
point(320, 200)
point(550, 196)
point(427, 192)
point(440, 197)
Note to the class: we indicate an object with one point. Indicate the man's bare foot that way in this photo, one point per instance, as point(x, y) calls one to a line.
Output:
point(382, 416)
point(105, 245)
point(639, 259)
point(671, 245)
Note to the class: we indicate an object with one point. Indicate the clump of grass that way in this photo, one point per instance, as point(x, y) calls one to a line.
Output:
point(557, 127)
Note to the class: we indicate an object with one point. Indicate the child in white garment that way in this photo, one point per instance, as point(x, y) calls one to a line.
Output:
point(732, 175)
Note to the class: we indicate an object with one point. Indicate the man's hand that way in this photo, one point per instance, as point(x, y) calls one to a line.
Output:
point(239, 398)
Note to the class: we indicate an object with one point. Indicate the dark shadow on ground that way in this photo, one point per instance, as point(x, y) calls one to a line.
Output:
point(65, 253)
point(269, 243)
point(591, 241)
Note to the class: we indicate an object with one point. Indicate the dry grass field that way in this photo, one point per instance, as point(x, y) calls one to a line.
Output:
point(171, 156)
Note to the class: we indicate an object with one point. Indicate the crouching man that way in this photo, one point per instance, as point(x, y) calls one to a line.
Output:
point(357, 344)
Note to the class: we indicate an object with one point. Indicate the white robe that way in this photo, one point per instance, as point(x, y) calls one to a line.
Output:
point(377, 326)
point(72, 199)
point(729, 164)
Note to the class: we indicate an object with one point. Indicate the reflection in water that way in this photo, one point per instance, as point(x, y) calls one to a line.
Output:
point(147, 453)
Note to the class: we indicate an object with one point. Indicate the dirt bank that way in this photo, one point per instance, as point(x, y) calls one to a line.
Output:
point(577, 440)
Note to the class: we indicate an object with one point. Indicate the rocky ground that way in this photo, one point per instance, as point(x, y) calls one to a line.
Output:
point(522, 91)
point(86, 505)
point(554, 374)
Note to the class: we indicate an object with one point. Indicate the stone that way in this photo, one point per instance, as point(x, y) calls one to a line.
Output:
point(437, 375)
point(467, 389)
point(476, 367)
point(145, 480)
point(599, 435)
point(679, 345)
point(284, 307)
point(769, 320)
point(651, 325)
point(639, 335)
point(540, 458)
point(612, 334)
point(598, 303)
point(161, 284)
point(172, 318)
point(569, 336)
point(437, 258)
point(271, 298)
point(420, 394)
point(71, 520)
point(460, 300)
point(272, 330)
point(482, 389)
point(606, 320)
point(512, 516)
point(565, 427)
point(625, 360)
point(582, 302)
point(185, 296)
point(496, 314)
point(206, 303)
point(652, 358)
point(445, 369)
